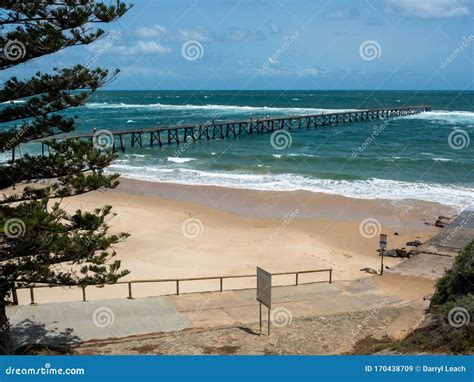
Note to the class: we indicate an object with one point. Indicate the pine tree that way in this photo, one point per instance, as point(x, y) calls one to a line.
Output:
point(39, 241)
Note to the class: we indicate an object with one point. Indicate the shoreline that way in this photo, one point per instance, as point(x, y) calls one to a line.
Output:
point(263, 204)
point(173, 173)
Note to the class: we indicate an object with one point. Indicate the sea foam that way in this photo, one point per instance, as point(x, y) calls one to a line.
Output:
point(374, 188)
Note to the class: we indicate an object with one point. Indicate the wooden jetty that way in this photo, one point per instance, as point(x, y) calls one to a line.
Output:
point(161, 135)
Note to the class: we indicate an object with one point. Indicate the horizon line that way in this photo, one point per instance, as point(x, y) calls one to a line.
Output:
point(293, 90)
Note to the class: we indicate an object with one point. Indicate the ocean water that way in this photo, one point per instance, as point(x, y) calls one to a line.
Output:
point(428, 156)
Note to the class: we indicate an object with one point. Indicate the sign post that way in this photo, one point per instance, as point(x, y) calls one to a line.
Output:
point(264, 293)
point(383, 245)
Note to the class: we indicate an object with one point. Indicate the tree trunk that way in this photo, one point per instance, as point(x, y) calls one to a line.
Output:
point(5, 344)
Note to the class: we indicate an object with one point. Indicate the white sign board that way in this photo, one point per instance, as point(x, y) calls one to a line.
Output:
point(264, 287)
point(383, 241)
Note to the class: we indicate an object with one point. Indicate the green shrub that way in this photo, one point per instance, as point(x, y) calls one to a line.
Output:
point(457, 281)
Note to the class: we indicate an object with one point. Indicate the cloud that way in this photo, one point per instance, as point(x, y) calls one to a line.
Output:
point(141, 48)
point(180, 35)
point(429, 8)
point(244, 63)
point(186, 34)
point(150, 31)
point(272, 28)
point(240, 34)
point(151, 47)
point(202, 35)
point(312, 71)
point(342, 14)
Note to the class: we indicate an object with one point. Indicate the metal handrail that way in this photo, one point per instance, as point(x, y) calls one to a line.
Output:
point(175, 280)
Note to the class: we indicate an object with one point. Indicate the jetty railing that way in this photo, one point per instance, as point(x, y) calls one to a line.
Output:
point(177, 282)
point(160, 135)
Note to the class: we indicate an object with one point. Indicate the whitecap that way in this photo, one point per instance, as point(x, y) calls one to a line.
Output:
point(180, 160)
point(442, 159)
point(451, 117)
point(216, 108)
point(14, 101)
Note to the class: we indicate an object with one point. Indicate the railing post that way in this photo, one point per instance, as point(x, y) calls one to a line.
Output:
point(32, 296)
point(297, 274)
point(330, 276)
point(84, 293)
point(14, 296)
point(177, 287)
point(130, 297)
point(222, 283)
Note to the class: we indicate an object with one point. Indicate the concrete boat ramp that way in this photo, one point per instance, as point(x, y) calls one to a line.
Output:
point(456, 236)
point(438, 253)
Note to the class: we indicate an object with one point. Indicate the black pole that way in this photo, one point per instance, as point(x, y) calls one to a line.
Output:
point(268, 321)
point(381, 263)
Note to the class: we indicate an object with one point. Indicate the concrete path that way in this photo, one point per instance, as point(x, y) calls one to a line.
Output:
point(72, 322)
point(240, 307)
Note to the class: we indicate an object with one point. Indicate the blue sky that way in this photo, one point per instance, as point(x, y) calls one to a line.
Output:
point(277, 44)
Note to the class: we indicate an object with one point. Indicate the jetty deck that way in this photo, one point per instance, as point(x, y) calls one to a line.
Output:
point(208, 130)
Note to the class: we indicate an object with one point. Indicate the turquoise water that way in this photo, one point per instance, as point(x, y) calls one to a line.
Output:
point(411, 157)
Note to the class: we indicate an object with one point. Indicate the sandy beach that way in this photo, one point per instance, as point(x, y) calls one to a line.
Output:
point(182, 231)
